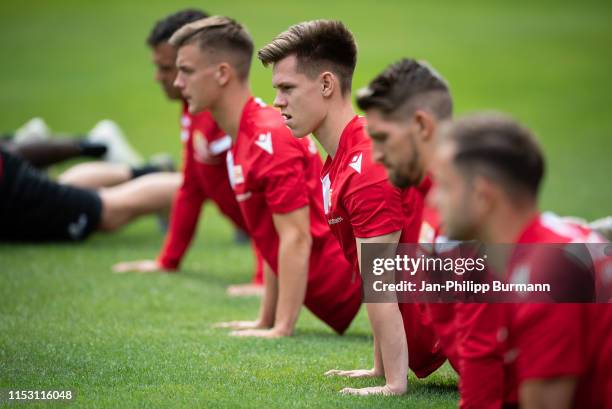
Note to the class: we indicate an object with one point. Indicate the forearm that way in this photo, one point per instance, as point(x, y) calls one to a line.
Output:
point(551, 393)
point(293, 259)
point(267, 309)
point(388, 329)
point(379, 368)
point(184, 218)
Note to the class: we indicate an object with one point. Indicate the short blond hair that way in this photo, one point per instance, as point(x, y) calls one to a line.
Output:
point(219, 33)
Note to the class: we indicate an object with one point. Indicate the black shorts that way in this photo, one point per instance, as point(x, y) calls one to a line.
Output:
point(35, 208)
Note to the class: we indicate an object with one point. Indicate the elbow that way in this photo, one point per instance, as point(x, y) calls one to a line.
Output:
point(297, 239)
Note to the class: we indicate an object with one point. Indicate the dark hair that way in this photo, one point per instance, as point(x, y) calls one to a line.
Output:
point(164, 28)
point(406, 86)
point(318, 45)
point(222, 34)
point(498, 147)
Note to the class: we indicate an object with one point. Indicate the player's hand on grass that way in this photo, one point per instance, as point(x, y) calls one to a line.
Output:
point(260, 333)
point(386, 390)
point(139, 266)
point(245, 290)
point(241, 325)
point(354, 373)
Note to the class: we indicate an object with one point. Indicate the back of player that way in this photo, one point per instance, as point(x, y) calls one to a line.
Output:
point(559, 340)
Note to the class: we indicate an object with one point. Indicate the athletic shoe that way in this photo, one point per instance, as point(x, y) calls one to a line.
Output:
point(603, 226)
point(118, 150)
point(163, 161)
point(35, 130)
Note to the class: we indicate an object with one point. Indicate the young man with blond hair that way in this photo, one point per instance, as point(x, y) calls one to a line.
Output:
point(275, 180)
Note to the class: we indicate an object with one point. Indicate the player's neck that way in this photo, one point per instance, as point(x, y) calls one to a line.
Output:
point(507, 223)
point(329, 131)
point(228, 110)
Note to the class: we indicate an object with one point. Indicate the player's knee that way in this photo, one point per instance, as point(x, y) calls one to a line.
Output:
point(114, 212)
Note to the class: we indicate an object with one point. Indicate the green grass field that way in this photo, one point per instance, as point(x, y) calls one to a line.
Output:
point(67, 322)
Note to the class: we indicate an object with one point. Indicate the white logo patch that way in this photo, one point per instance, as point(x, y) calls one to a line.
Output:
point(356, 162)
point(76, 229)
point(265, 142)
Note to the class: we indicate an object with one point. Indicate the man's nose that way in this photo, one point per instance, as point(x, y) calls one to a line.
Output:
point(178, 82)
point(279, 101)
point(377, 154)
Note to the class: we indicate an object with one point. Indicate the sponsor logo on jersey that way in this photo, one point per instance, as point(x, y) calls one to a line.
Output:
point(335, 220)
point(356, 162)
point(264, 141)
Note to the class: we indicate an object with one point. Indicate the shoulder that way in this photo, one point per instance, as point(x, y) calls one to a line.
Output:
point(268, 134)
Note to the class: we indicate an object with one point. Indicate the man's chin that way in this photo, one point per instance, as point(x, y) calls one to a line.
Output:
point(298, 133)
point(193, 109)
point(172, 94)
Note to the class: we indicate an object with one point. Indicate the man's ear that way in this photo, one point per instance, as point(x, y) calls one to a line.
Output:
point(328, 83)
point(485, 193)
point(426, 125)
point(223, 73)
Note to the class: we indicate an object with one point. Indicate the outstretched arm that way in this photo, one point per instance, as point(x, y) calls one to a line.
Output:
point(390, 346)
point(295, 243)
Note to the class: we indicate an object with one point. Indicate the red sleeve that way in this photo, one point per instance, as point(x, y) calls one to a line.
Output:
point(550, 340)
point(375, 209)
point(480, 356)
point(442, 316)
point(185, 213)
point(283, 173)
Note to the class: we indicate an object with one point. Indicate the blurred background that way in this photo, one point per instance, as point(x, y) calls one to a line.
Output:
point(547, 63)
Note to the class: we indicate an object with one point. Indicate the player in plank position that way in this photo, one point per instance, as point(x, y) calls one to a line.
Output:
point(313, 64)
point(404, 106)
point(488, 170)
point(204, 170)
point(275, 179)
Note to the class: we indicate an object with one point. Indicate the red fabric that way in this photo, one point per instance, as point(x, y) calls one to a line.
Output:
point(359, 200)
point(555, 340)
point(273, 173)
point(467, 332)
point(201, 181)
point(496, 346)
point(361, 203)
